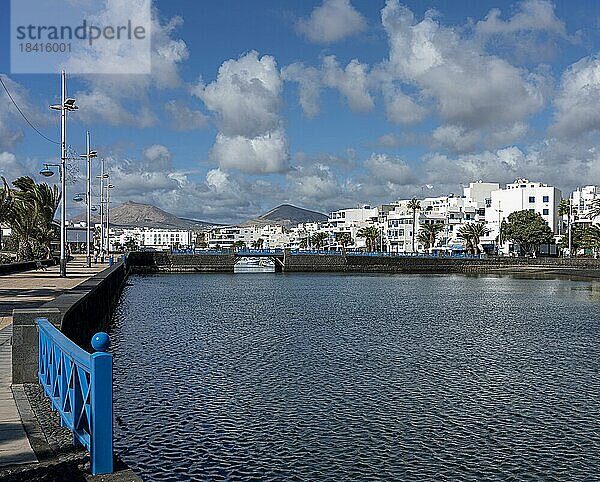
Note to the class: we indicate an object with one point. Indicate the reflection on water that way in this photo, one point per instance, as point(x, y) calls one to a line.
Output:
point(338, 377)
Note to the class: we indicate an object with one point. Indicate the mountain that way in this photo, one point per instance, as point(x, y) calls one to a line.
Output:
point(287, 215)
point(131, 214)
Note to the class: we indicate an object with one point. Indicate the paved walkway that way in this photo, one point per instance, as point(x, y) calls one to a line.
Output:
point(30, 289)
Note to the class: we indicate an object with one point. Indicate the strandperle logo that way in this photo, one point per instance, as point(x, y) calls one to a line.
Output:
point(82, 32)
point(105, 37)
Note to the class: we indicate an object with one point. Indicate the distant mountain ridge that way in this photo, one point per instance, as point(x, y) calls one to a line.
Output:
point(140, 215)
point(132, 214)
point(287, 215)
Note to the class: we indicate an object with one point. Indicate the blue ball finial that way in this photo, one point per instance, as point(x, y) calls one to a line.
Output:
point(100, 341)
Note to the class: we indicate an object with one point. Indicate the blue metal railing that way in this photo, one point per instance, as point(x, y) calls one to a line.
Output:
point(259, 252)
point(79, 385)
point(322, 252)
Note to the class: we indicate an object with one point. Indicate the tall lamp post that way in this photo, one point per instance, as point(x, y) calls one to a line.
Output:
point(103, 175)
point(108, 188)
point(88, 156)
point(65, 106)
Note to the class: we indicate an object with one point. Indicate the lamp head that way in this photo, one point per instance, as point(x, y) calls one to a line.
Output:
point(47, 172)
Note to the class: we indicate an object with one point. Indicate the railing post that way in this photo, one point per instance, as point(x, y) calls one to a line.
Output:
point(101, 446)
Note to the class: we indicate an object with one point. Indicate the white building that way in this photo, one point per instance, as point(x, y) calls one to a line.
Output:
point(155, 238)
point(583, 202)
point(524, 195)
point(267, 236)
point(352, 221)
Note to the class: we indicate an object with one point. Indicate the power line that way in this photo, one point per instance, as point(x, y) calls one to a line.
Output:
point(23, 115)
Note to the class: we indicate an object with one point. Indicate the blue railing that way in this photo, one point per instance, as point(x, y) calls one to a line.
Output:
point(322, 252)
point(79, 385)
point(259, 252)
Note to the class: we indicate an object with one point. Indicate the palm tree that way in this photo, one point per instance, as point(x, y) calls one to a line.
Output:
point(478, 231)
point(370, 233)
point(258, 244)
point(428, 234)
point(464, 232)
point(46, 200)
point(318, 239)
point(414, 205)
point(564, 209)
point(595, 209)
point(344, 239)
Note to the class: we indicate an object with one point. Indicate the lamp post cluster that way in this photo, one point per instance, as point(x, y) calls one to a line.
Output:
point(68, 105)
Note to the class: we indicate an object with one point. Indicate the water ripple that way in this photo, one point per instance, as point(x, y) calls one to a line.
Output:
point(333, 377)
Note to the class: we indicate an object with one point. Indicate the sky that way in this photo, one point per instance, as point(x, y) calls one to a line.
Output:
point(325, 104)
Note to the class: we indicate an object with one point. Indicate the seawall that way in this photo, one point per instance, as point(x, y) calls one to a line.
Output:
point(79, 313)
point(155, 262)
point(21, 266)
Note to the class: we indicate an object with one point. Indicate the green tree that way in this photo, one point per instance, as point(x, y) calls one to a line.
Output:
point(590, 239)
point(428, 234)
point(414, 205)
point(472, 234)
point(564, 209)
point(343, 239)
point(318, 239)
point(371, 234)
point(528, 229)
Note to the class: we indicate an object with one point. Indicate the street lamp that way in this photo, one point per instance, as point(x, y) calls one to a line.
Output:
point(88, 156)
point(102, 177)
point(108, 188)
point(66, 105)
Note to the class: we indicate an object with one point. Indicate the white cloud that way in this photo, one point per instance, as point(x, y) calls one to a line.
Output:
point(246, 98)
point(390, 169)
point(183, 118)
point(470, 87)
point(332, 21)
point(401, 108)
point(532, 32)
point(262, 154)
point(576, 104)
point(533, 15)
point(352, 82)
point(12, 125)
point(309, 86)
point(455, 138)
point(124, 99)
point(159, 157)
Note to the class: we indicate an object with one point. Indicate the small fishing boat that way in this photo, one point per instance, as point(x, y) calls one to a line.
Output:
point(254, 265)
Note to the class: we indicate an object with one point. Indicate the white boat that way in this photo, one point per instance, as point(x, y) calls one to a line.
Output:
point(254, 265)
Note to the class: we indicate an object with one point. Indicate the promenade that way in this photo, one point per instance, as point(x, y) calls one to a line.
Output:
point(29, 289)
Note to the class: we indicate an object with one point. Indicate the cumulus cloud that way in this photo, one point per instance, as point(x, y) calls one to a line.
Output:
point(124, 99)
point(352, 82)
point(532, 32)
point(309, 86)
point(469, 87)
point(158, 157)
point(246, 99)
point(390, 169)
point(401, 108)
point(183, 118)
point(332, 21)
point(576, 104)
point(455, 138)
point(262, 154)
point(11, 122)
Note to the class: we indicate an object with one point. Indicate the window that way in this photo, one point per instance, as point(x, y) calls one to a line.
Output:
point(531, 199)
point(546, 199)
point(546, 212)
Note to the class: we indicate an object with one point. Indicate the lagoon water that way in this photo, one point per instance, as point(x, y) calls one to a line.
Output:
point(357, 377)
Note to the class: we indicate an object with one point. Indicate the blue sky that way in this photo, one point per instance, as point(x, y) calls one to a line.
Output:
point(327, 104)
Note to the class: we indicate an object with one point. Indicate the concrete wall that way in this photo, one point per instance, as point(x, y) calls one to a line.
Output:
point(79, 313)
point(167, 263)
point(157, 262)
point(23, 266)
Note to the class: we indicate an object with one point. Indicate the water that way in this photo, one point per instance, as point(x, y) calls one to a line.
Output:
point(338, 377)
